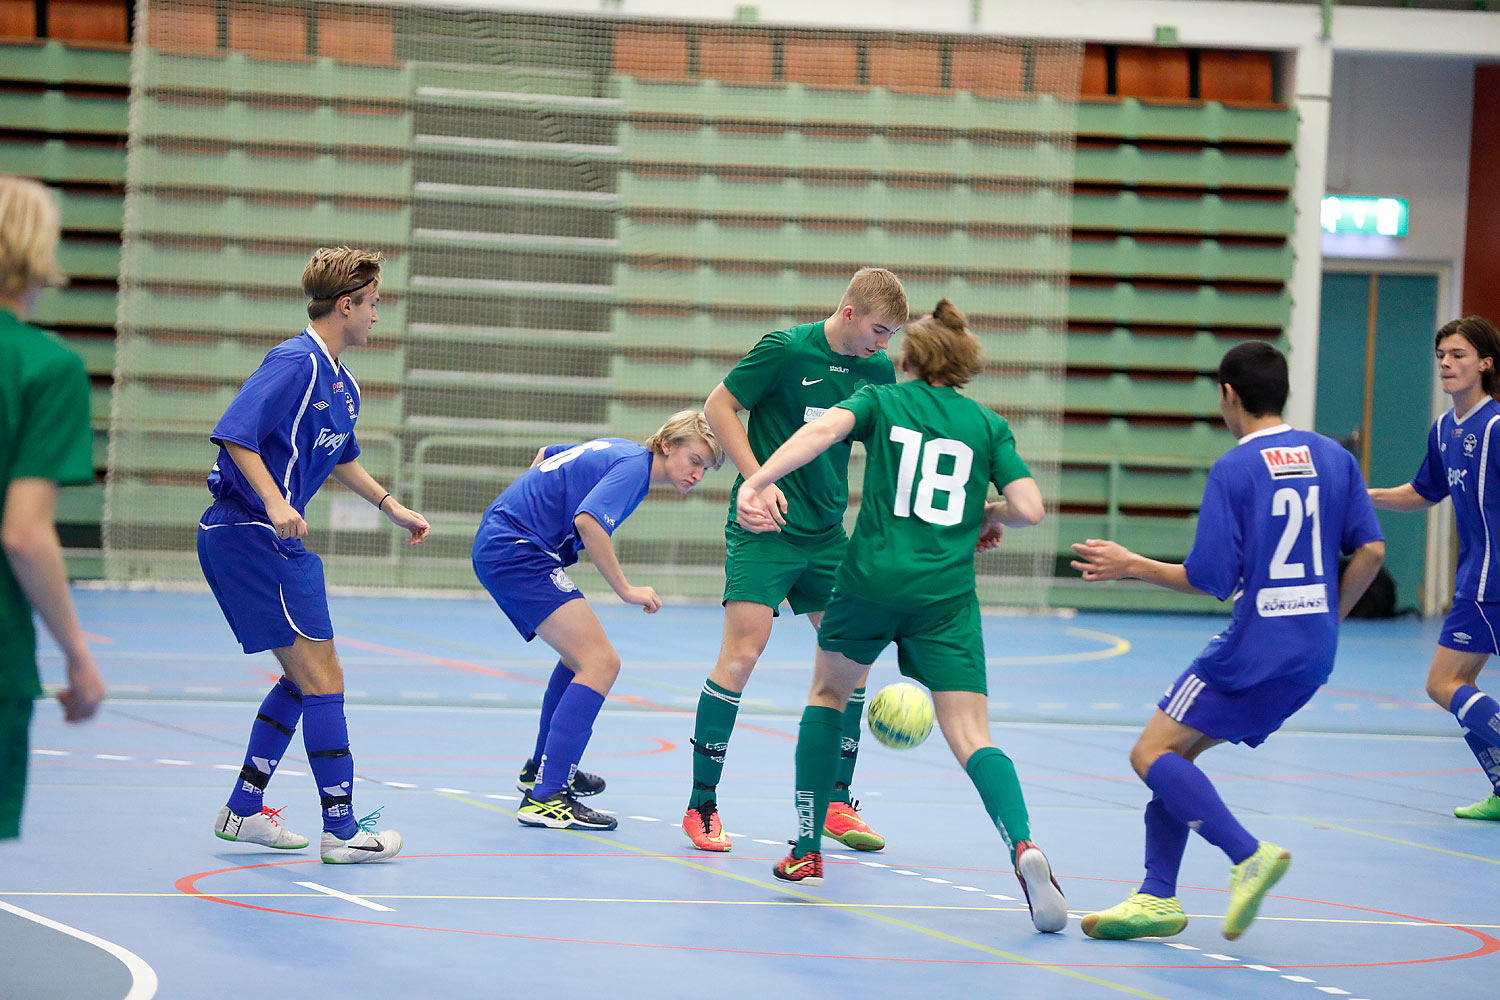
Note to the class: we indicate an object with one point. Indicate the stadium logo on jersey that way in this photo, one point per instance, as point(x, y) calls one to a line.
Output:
point(836, 368)
point(812, 413)
point(1289, 463)
point(1470, 443)
point(1279, 602)
point(564, 583)
point(333, 442)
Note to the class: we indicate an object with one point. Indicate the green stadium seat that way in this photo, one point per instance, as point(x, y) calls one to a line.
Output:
point(1206, 306)
point(59, 161)
point(80, 504)
point(1208, 122)
point(74, 307)
point(1122, 348)
point(54, 62)
point(88, 212)
point(98, 353)
point(1204, 167)
point(59, 111)
point(1210, 215)
point(1120, 393)
point(323, 174)
point(236, 265)
point(239, 121)
point(242, 218)
point(238, 73)
point(92, 258)
point(1202, 260)
point(1197, 439)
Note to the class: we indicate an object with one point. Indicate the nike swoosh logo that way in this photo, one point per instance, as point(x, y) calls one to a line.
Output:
point(374, 846)
point(793, 869)
point(811, 381)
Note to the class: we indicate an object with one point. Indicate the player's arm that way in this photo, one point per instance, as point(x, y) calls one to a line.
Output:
point(722, 409)
point(1024, 511)
point(353, 477)
point(811, 440)
point(1100, 559)
point(282, 515)
point(1404, 497)
point(29, 538)
point(1364, 563)
point(602, 554)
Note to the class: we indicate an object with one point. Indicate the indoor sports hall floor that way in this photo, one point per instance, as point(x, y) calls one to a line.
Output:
point(118, 888)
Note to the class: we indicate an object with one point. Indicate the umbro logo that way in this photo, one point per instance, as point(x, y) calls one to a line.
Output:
point(320, 405)
point(811, 381)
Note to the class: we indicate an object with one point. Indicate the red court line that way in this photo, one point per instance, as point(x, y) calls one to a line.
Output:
point(187, 885)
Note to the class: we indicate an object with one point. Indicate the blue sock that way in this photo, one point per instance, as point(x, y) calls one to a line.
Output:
point(270, 734)
point(1189, 796)
point(1477, 712)
point(1488, 757)
point(1166, 839)
point(325, 734)
point(561, 678)
point(567, 737)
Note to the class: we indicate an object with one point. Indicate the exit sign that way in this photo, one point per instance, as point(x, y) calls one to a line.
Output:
point(1376, 216)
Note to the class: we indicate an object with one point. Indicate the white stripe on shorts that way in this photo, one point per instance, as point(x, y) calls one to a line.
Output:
point(1184, 698)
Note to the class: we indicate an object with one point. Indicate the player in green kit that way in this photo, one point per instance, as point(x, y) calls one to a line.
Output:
point(908, 578)
point(790, 378)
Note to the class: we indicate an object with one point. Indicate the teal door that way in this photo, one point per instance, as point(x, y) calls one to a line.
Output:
point(1387, 390)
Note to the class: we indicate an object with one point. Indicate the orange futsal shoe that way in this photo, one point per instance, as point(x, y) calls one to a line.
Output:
point(844, 825)
point(806, 870)
point(702, 826)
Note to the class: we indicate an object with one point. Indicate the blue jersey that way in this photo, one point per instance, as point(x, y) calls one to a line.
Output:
point(606, 478)
point(297, 411)
point(1463, 455)
point(1277, 511)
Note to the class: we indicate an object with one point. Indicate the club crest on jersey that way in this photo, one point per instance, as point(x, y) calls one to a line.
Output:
point(1289, 463)
point(1470, 443)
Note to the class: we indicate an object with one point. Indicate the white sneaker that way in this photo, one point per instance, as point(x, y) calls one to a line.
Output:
point(263, 828)
point(367, 844)
point(1049, 910)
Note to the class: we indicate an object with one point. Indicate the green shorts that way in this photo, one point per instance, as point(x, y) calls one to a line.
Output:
point(15, 721)
point(773, 567)
point(939, 645)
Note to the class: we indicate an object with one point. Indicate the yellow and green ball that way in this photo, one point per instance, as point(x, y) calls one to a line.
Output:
point(900, 715)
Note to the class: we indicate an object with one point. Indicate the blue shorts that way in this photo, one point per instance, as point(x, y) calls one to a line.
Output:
point(527, 582)
point(1246, 716)
point(270, 589)
point(1471, 626)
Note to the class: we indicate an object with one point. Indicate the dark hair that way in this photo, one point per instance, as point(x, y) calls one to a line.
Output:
point(1484, 338)
point(939, 349)
point(1257, 370)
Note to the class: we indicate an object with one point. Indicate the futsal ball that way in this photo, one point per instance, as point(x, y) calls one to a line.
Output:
point(900, 715)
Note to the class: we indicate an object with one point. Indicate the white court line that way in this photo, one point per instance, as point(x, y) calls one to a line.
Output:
point(142, 976)
point(454, 791)
point(645, 819)
point(345, 896)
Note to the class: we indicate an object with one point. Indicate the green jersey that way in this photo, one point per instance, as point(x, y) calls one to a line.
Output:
point(44, 434)
point(791, 377)
point(931, 455)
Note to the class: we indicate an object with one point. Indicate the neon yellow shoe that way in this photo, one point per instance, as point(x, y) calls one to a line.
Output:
point(1249, 881)
point(1486, 808)
point(1142, 915)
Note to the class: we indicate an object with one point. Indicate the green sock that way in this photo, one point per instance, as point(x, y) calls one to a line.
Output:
point(717, 708)
point(995, 777)
point(817, 763)
point(849, 744)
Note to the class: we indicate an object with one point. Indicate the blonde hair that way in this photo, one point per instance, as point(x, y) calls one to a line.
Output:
point(28, 236)
point(335, 272)
point(681, 428)
point(939, 349)
point(874, 289)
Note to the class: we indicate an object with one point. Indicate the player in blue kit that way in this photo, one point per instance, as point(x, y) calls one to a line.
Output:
point(577, 495)
point(1463, 462)
point(1277, 511)
point(290, 427)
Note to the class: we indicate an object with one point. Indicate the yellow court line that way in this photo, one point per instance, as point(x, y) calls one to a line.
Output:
point(1116, 647)
point(1394, 840)
point(847, 907)
point(800, 903)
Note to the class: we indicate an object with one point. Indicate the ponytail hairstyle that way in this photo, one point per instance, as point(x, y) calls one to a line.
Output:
point(939, 349)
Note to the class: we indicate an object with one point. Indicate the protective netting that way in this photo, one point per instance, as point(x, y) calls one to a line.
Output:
point(588, 222)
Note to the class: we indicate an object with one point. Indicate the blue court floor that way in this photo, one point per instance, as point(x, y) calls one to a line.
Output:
point(118, 888)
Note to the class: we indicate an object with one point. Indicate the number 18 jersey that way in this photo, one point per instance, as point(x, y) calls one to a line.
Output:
point(1277, 511)
point(931, 455)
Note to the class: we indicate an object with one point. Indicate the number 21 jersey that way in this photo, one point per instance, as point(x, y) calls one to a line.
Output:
point(1277, 511)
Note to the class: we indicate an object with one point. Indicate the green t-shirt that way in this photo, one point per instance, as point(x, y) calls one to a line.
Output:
point(44, 434)
point(791, 377)
point(931, 455)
